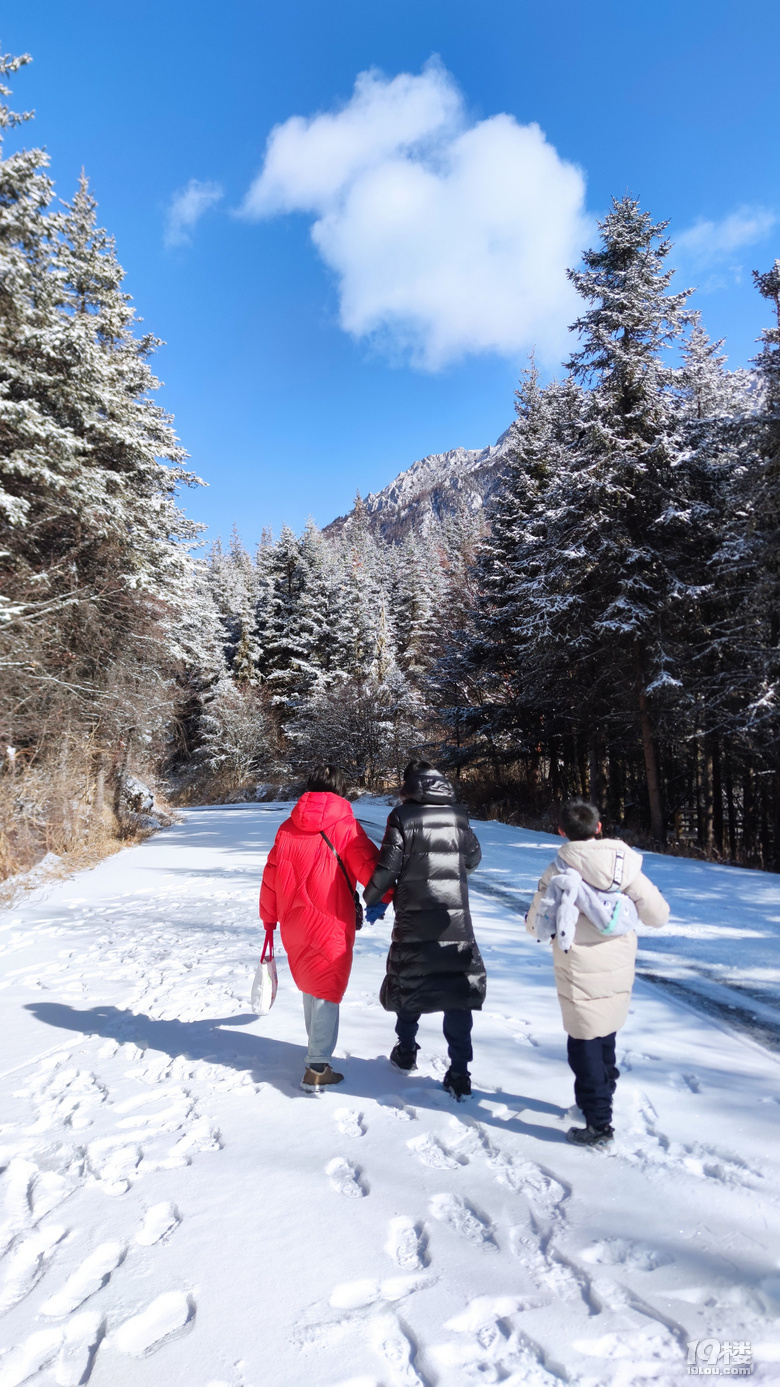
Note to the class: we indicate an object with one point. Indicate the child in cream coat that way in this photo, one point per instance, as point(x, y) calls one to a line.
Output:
point(595, 977)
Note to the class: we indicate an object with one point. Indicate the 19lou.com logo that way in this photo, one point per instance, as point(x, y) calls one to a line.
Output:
point(711, 1358)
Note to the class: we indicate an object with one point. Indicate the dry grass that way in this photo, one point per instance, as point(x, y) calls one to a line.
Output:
point(54, 807)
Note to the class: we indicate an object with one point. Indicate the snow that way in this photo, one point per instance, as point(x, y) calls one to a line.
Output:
point(175, 1209)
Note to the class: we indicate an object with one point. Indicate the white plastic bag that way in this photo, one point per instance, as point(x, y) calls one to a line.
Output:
point(266, 982)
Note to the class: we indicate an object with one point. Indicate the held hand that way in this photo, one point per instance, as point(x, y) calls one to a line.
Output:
point(375, 912)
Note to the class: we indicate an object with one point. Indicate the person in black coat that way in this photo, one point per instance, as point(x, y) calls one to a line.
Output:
point(434, 963)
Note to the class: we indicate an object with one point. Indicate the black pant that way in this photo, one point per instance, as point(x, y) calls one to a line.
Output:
point(457, 1033)
point(595, 1077)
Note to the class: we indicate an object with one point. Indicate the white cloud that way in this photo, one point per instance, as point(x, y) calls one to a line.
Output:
point(447, 236)
point(187, 207)
point(710, 243)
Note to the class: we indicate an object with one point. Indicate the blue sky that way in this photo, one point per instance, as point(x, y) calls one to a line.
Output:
point(300, 372)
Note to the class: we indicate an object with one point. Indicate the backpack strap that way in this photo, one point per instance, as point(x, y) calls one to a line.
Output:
point(341, 864)
point(352, 889)
point(617, 875)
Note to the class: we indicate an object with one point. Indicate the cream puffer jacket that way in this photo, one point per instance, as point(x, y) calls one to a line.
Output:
point(595, 978)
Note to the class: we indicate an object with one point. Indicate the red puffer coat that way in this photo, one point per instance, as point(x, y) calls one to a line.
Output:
point(304, 889)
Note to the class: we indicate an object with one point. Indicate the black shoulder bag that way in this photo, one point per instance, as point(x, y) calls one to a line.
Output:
point(352, 891)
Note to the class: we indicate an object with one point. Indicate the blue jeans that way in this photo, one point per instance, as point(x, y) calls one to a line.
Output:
point(595, 1077)
point(457, 1033)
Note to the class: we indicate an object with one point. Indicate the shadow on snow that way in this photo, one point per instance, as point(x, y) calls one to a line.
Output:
point(276, 1062)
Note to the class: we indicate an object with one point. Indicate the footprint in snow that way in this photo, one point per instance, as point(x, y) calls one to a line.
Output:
point(27, 1263)
point(687, 1082)
point(170, 1314)
point(356, 1295)
point(29, 1358)
point(543, 1191)
point(431, 1153)
point(83, 1336)
point(462, 1219)
point(645, 1145)
point(550, 1271)
point(491, 1348)
point(406, 1243)
point(619, 1252)
point(345, 1178)
point(394, 1347)
point(114, 1163)
point(31, 1193)
point(93, 1274)
point(350, 1123)
point(398, 1108)
point(159, 1222)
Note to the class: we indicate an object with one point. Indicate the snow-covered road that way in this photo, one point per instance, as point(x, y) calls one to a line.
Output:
point(178, 1212)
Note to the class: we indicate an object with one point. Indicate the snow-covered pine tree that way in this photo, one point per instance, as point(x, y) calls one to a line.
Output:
point(360, 573)
point(125, 536)
point(198, 648)
point(766, 502)
point(38, 449)
point(485, 674)
point(614, 557)
point(235, 582)
point(416, 591)
point(696, 708)
point(756, 627)
point(314, 623)
point(281, 646)
point(93, 537)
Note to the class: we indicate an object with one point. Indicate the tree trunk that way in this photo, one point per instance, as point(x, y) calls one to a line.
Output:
point(582, 765)
point(748, 817)
point(617, 806)
point(657, 826)
point(594, 769)
point(555, 771)
point(717, 795)
point(731, 808)
point(100, 784)
point(708, 816)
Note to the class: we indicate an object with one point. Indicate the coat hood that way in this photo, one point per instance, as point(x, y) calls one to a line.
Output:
point(316, 809)
point(594, 859)
point(428, 787)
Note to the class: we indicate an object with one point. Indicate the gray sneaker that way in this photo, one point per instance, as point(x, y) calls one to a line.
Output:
point(313, 1080)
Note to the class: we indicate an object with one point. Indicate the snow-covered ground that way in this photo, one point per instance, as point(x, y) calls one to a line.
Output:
point(177, 1211)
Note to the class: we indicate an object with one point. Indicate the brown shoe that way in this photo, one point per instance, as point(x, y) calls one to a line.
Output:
point(312, 1081)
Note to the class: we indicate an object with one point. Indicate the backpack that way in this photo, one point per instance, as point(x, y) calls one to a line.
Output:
point(567, 895)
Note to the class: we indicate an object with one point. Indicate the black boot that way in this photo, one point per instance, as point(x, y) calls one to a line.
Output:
point(459, 1085)
point(406, 1060)
point(590, 1136)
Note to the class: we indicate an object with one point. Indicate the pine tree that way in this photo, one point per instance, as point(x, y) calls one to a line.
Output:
point(612, 550)
point(94, 544)
point(281, 646)
point(766, 506)
point(38, 450)
point(489, 674)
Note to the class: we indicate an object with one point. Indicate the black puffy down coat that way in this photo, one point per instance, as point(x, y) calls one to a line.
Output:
point(428, 850)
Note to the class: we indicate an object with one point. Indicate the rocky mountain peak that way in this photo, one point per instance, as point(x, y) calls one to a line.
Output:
point(423, 495)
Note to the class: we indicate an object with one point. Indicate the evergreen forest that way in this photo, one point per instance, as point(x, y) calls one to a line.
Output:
point(608, 625)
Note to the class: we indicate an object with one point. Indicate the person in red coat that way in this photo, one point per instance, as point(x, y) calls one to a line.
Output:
point(310, 893)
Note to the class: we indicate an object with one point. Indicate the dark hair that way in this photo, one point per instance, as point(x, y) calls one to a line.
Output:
point(416, 766)
point(329, 778)
point(579, 819)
